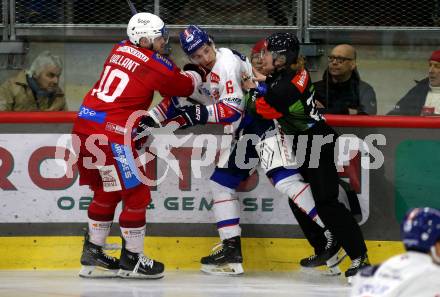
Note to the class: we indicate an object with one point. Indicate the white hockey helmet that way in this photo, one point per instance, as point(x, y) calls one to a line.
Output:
point(146, 25)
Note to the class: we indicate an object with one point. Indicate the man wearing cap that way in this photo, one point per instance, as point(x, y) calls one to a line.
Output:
point(424, 97)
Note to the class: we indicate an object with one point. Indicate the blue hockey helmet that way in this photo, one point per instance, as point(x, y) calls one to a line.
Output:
point(421, 229)
point(192, 38)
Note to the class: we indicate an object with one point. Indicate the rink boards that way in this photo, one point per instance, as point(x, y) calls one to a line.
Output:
point(41, 222)
point(178, 253)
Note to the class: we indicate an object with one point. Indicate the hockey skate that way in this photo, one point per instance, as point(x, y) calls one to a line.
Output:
point(95, 263)
point(356, 265)
point(137, 265)
point(226, 258)
point(332, 255)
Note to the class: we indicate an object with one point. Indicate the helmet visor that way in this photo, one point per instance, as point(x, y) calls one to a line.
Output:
point(165, 34)
point(279, 56)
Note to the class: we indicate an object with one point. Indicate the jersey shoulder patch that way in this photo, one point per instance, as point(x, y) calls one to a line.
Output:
point(163, 60)
point(240, 55)
point(214, 77)
point(300, 80)
point(133, 52)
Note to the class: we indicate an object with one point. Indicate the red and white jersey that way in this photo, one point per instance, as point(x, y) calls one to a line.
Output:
point(405, 275)
point(130, 76)
point(222, 92)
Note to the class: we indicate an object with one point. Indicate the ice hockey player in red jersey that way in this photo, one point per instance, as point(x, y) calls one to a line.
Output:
point(134, 69)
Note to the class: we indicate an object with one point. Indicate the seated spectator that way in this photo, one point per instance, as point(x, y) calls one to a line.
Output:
point(341, 91)
point(424, 97)
point(35, 89)
point(414, 273)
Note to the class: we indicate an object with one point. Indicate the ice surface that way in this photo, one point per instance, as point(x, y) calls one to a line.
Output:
point(175, 283)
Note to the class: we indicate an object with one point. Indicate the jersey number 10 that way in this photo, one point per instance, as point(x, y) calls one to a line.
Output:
point(102, 92)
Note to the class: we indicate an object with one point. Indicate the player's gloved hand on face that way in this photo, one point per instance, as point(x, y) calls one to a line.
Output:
point(146, 124)
point(196, 68)
point(190, 116)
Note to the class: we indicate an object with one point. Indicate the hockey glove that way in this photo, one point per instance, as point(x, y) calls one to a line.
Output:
point(261, 89)
point(146, 124)
point(196, 68)
point(265, 110)
point(190, 116)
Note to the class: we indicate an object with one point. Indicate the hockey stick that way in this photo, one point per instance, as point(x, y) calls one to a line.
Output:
point(132, 7)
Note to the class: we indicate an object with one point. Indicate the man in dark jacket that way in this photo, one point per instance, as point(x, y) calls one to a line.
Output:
point(341, 91)
point(424, 97)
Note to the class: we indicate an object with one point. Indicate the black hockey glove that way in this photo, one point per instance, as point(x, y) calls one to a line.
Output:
point(196, 68)
point(190, 116)
point(143, 130)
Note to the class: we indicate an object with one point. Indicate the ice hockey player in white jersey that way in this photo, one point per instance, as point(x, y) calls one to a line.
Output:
point(414, 273)
point(221, 100)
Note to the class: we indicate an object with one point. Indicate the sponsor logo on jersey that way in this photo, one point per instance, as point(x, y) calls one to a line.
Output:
point(214, 77)
point(89, 114)
point(110, 178)
point(124, 159)
point(163, 60)
point(134, 52)
point(300, 80)
point(115, 128)
point(234, 100)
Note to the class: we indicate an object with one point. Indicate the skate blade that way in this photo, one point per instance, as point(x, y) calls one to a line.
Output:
point(332, 271)
point(225, 269)
point(97, 272)
point(336, 259)
point(134, 275)
point(350, 280)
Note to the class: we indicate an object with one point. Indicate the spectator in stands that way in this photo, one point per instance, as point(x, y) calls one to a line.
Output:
point(35, 89)
point(424, 97)
point(341, 91)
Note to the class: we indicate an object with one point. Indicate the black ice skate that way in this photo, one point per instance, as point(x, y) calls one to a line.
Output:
point(137, 265)
point(332, 255)
point(356, 265)
point(95, 263)
point(226, 258)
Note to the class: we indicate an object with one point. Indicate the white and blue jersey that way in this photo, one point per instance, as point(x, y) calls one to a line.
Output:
point(408, 274)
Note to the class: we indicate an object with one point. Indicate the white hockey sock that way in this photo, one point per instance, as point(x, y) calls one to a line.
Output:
point(301, 194)
point(134, 239)
point(98, 231)
point(226, 211)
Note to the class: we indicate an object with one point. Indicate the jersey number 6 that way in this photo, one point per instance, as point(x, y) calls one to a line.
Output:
point(229, 87)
